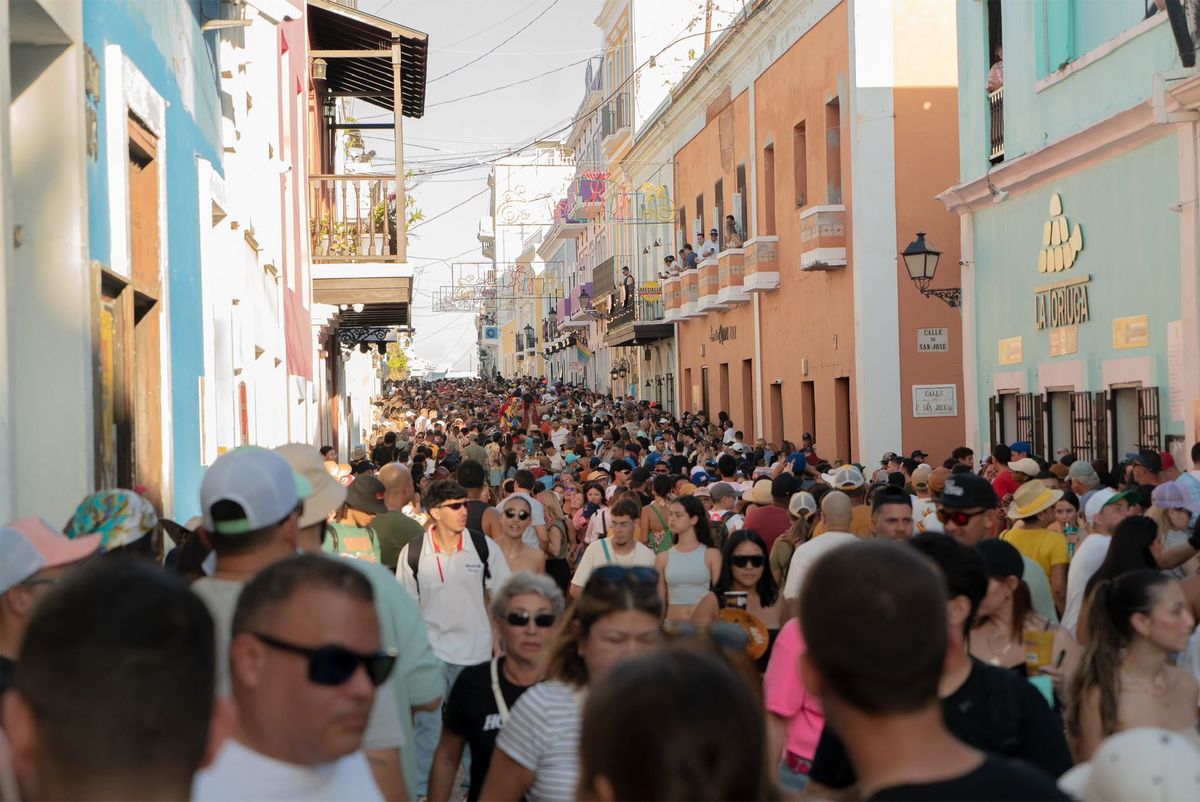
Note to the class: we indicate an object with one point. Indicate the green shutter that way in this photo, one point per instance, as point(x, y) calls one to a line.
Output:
point(1054, 34)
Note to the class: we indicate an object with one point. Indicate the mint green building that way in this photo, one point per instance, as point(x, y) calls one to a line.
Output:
point(1080, 231)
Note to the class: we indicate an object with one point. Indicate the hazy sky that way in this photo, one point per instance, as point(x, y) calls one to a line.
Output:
point(460, 31)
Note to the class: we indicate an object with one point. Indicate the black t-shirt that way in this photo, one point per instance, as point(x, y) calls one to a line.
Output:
point(996, 780)
point(993, 710)
point(678, 463)
point(471, 712)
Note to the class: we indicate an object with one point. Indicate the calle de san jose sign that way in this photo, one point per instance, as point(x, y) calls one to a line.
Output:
point(1063, 303)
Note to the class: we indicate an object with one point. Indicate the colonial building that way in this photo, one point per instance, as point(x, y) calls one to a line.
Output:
point(1078, 225)
point(812, 138)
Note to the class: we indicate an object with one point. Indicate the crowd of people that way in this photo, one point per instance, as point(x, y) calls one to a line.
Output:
point(524, 590)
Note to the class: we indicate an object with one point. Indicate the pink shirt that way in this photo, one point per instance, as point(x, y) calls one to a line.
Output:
point(785, 696)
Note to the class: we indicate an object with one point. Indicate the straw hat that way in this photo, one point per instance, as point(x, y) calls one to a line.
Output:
point(760, 493)
point(1031, 498)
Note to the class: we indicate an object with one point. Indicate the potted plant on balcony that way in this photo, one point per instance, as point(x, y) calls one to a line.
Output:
point(320, 236)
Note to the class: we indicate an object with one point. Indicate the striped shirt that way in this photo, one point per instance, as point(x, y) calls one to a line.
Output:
point(542, 734)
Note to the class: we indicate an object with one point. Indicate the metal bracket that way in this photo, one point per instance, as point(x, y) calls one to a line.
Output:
point(952, 296)
point(353, 335)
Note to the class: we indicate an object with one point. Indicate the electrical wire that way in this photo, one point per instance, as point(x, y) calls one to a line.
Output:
point(452, 208)
point(488, 29)
point(503, 42)
point(508, 86)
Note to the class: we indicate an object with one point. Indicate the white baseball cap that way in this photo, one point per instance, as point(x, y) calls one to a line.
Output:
point(1102, 498)
point(1145, 763)
point(847, 477)
point(259, 482)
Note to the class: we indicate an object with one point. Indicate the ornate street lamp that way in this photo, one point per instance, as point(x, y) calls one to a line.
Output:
point(319, 69)
point(585, 300)
point(529, 333)
point(921, 261)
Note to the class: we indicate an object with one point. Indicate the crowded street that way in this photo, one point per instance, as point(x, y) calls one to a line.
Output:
point(600, 400)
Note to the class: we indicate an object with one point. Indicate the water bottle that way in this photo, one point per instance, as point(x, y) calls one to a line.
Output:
point(1072, 534)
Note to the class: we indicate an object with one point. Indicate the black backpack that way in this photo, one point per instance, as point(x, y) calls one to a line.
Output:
point(481, 547)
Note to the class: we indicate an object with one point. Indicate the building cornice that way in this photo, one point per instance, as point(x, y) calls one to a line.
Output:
point(1108, 138)
point(607, 18)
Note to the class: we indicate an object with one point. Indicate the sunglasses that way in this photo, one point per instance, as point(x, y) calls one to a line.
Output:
point(335, 665)
point(452, 505)
point(957, 517)
point(521, 618)
point(625, 575)
point(522, 514)
point(748, 560)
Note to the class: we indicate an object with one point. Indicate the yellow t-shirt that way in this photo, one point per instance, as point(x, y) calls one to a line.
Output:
point(1044, 546)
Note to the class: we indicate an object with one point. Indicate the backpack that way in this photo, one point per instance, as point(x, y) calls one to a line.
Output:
point(720, 532)
point(481, 547)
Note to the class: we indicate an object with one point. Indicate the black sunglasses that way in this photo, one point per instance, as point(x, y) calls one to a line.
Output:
point(452, 505)
point(520, 618)
point(622, 575)
point(748, 560)
point(522, 514)
point(335, 665)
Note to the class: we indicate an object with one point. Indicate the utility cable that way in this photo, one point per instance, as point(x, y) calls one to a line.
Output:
point(518, 32)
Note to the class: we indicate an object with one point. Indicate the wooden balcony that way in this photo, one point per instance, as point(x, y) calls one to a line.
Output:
point(353, 218)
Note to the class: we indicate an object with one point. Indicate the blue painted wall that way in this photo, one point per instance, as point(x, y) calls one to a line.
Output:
point(1131, 251)
point(163, 39)
point(1033, 119)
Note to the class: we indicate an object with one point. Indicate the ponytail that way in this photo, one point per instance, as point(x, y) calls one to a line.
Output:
point(1113, 602)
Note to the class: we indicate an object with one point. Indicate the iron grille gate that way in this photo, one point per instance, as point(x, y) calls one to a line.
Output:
point(1082, 426)
point(1149, 429)
point(1026, 415)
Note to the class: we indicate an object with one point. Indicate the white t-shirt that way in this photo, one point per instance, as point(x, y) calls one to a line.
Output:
point(1086, 562)
point(451, 596)
point(241, 773)
point(925, 516)
point(542, 734)
point(595, 555)
point(558, 437)
point(807, 555)
point(220, 596)
point(709, 248)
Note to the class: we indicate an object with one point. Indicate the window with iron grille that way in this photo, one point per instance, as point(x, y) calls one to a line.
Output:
point(1149, 425)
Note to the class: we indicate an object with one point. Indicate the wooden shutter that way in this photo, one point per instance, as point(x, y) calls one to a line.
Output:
point(993, 423)
point(1149, 425)
point(1039, 427)
point(1101, 428)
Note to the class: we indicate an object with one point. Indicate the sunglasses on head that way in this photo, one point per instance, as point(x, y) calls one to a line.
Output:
point(625, 575)
point(748, 560)
point(522, 514)
point(452, 505)
point(957, 517)
point(520, 618)
point(335, 665)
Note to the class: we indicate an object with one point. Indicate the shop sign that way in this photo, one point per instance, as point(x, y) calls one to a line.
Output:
point(1011, 351)
point(1062, 304)
point(933, 341)
point(935, 401)
point(1175, 377)
point(1131, 332)
point(722, 334)
point(650, 291)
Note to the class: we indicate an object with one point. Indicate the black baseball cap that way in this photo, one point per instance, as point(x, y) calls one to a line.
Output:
point(967, 491)
point(1150, 460)
point(919, 454)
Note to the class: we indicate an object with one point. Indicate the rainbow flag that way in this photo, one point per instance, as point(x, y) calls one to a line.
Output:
point(583, 352)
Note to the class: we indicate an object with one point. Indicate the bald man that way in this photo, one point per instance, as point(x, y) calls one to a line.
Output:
point(837, 510)
point(394, 528)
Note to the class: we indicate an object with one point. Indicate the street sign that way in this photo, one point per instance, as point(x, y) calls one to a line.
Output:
point(932, 341)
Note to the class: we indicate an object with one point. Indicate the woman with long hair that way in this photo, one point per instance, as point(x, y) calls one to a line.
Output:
point(1126, 678)
point(805, 513)
point(646, 734)
point(744, 574)
point(558, 539)
point(689, 569)
point(1006, 620)
point(1134, 547)
point(654, 529)
point(616, 617)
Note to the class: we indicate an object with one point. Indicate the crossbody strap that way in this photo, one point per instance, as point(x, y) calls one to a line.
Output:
point(501, 706)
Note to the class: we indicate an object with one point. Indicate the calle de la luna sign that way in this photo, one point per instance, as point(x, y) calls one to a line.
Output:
point(1062, 303)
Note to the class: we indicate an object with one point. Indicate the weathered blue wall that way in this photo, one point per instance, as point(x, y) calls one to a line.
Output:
point(163, 39)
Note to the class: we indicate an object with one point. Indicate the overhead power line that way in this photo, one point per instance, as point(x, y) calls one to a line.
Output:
point(509, 85)
point(488, 29)
point(503, 42)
